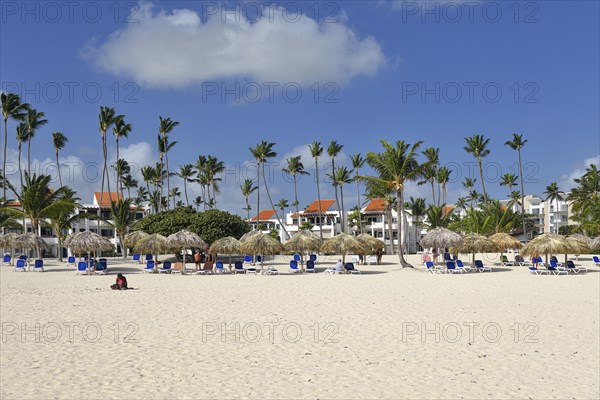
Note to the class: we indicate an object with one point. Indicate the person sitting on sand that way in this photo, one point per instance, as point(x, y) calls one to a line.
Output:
point(339, 266)
point(121, 283)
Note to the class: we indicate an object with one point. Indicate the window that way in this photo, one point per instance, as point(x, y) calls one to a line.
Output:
point(139, 215)
point(107, 232)
point(46, 231)
point(106, 214)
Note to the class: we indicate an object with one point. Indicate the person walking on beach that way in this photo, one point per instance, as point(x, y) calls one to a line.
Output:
point(379, 256)
point(197, 259)
point(121, 283)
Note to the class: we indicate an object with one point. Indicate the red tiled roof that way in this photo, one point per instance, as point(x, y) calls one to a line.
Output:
point(447, 210)
point(376, 205)
point(107, 197)
point(264, 215)
point(314, 207)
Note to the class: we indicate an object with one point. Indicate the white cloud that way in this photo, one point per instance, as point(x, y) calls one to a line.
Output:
point(567, 181)
point(173, 50)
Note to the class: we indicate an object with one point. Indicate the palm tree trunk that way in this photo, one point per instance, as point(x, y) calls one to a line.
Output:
point(400, 212)
point(4, 163)
point(343, 214)
point(522, 196)
point(481, 176)
point(29, 155)
point(168, 176)
point(58, 235)
point(161, 180)
point(58, 169)
point(257, 194)
point(358, 203)
point(433, 193)
point(248, 207)
point(119, 183)
point(107, 173)
point(319, 198)
point(337, 200)
point(185, 191)
point(103, 170)
point(390, 229)
point(19, 161)
point(296, 201)
point(287, 235)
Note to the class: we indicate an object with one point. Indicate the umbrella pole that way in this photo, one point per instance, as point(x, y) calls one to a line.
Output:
point(184, 253)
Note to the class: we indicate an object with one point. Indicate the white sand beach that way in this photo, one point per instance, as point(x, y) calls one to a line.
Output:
point(388, 333)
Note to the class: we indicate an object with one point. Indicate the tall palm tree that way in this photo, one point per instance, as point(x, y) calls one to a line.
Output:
point(469, 184)
point(262, 152)
point(166, 126)
point(34, 122)
point(282, 204)
point(174, 193)
point(517, 144)
point(553, 193)
point(477, 146)
point(509, 180)
point(64, 218)
point(11, 108)
point(333, 150)
point(461, 203)
point(212, 168)
point(59, 140)
point(128, 183)
point(197, 202)
point(21, 137)
point(396, 166)
point(443, 176)
point(515, 197)
point(122, 217)
point(247, 189)
point(202, 179)
point(121, 168)
point(187, 173)
point(432, 155)
point(148, 176)
point(316, 151)
point(342, 176)
point(141, 196)
point(357, 163)
point(295, 167)
point(106, 119)
point(121, 129)
point(416, 208)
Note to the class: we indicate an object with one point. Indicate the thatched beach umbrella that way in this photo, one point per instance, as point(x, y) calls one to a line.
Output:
point(546, 243)
point(577, 244)
point(303, 242)
point(30, 241)
point(476, 243)
point(248, 235)
point(441, 237)
point(505, 241)
point(371, 242)
point(342, 243)
point(261, 244)
point(184, 240)
point(595, 243)
point(154, 244)
point(7, 242)
point(227, 245)
point(131, 239)
point(86, 242)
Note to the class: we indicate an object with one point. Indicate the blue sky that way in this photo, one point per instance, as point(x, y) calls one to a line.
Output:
point(394, 70)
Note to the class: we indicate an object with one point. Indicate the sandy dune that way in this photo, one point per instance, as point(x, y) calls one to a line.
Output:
point(388, 333)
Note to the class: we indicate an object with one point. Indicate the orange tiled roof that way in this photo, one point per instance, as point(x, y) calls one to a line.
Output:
point(107, 197)
point(314, 207)
point(447, 210)
point(264, 215)
point(375, 205)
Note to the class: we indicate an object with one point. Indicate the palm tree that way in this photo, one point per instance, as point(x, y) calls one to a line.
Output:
point(379, 190)
point(197, 202)
point(416, 208)
point(121, 129)
point(121, 168)
point(295, 168)
point(148, 176)
point(34, 121)
point(316, 151)
point(432, 155)
point(142, 195)
point(174, 193)
point(469, 184)
point(340, 177)
point(212, 168)
point(461, 203)
point(247, 189)
point(122, 217)
point(333, 150)
point(282, 204)
point(64, 218)
point(202, 180)
point(395, 166)
point(437, 217)
point(477, 146)
point(517, 144)
point(59, 140)
point(187, 173)
point(443, 176)
point(509, 180)
point(128, 183)
point(553, 193)
point(166, 126)
point(21, 137)
point(106, 119)
point(14, 109)
point(515, 198)
point(262, 152)
point(357, 163)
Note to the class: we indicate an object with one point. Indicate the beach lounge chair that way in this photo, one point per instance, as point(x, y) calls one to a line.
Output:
point(270, 271)
point(310, 266)
point(179, 268)
point(460, 266)
point(432, 269)
point(21, 265)
point(7, 259)
point(451, 268)
point(521, 261)
point(448, 257)
point(554, 270)
point(219, 268)
point(136, 258)
point(596, 261)
point(149, 257)
point(38, 266)
point(82, 268)
point(208, 268)
point(166, 268)
point(504, 261)
point(350, 268)
point(294, 267)
point(71, 261)
point(313, 258)
point(248, 260)
point(482, 268)
point(539, 261)
point(536, 271)
point(297, 257)
point(23, 257)
point(238, 268)
point(555, 264)
point(259, 259)
point(101, 268)
point(571, 267)
point(150, 267)
point(331, 271)
point(558, 263)
point(372, 260)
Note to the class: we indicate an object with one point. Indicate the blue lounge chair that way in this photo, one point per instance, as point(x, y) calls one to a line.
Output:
point(451, 268)
point(259, 259)
point(310, 266)
point(313, 258)
point(150, 267)
point(21, 265)
point(23, 257)
point(555, 271)
point(219, 268)
point(571, 267)
point(149, 257)
point(448, 257)
point(136, 258)
point(596, 261)
point(460, 266)
point(557, 265)
point(350, 268)
point(294, 267)
point(480, 267)
point(431, 268)
point(238, 268)
point(536, 271)
point(539, 261)
point(82, 267)
point(104, 260)
point(38, 266)
point(71, 261)
point(7, 259)
point(166, 268)
point(101, 268)
point(297, 257)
